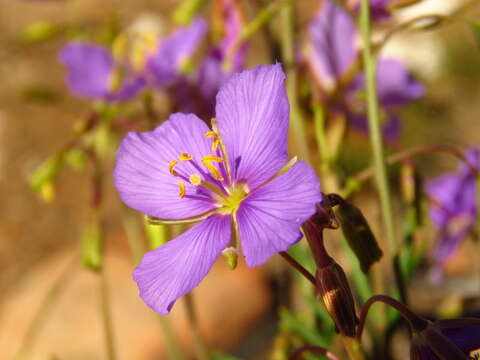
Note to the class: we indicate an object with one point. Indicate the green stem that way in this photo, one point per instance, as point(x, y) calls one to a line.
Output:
point(138, 247)
point(48, 302)
point(199, 345)
point(288, 54)
point(321, 135)
point(105, 310)
point(353, 348)
point(375, 130)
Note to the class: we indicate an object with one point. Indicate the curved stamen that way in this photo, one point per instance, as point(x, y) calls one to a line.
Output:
point(223, 150)
point(158, 221)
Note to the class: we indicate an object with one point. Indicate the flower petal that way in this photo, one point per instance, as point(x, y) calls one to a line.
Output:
point(178, 266)
point(253, 112)
point(332, 35)
point(174, 50)
point(396, 85)
point(89, 67)
point(142, 174)
point(269, 219)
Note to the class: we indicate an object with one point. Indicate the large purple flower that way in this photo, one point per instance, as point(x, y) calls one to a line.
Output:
point(234, 178)
point(332, 55)
point(454, 210)
point(95, 72)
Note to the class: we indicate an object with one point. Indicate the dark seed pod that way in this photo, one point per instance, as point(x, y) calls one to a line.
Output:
point(335, 292)
point(359, 236)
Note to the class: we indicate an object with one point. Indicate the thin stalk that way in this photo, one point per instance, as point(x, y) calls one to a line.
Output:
point(321, 135)
point(199, 345)
point(375, 129)
point(288, 54)
point(137, 248)
point(49, 301)
point(297, 266)
point(106, 313)
point(353, 348)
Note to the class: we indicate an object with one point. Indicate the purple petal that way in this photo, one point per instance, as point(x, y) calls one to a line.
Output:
point(253, 113)
point(466, 338)
point(177, 267)
point(390, 129)
point(233, 24)
point(396, 85)
point(269, 219)
point(89, 68)
point(332, 35)
point(174, 50)
point(142, 177)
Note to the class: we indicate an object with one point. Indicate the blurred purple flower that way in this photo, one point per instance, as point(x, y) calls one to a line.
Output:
point(448, 339)
point(379, 9)
point(332, 55)
point(214, 71)
point(454, 210)
point(94, 72)
point(234, 178)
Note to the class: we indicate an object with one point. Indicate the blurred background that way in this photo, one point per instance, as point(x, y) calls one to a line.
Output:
point(238, 310)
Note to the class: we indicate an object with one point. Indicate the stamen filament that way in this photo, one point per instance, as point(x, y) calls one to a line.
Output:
point(282, 171)
point(223, 150)
point(158, 221)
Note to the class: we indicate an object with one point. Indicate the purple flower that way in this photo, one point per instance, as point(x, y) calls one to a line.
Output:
point(448, 339)
point(454, 210)
point(95, 72)
point(212, 72)
point(332, 55)
point(234, 178)
point(379, 9)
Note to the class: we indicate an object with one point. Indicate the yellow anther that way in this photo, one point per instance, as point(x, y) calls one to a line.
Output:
point(181, 189)
point(210, 158)
point(216, 139)
point(195, 179)
point(213, 170)
point(171, 167)
point(185, 157)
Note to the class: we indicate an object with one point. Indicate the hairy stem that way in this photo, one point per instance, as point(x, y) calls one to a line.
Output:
point(288, 54)
point(375, 129)
point(297, 266)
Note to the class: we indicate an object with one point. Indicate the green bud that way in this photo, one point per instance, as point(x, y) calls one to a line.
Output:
point(92, 244)
point(40, 31)
point(42, 180)
point(76, 159)
point(186, 11)
point(357, 232)
point(156, 235)
point(231, 254)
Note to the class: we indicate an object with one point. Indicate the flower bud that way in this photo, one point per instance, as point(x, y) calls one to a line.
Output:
point(335, 292)
point(92, 244)
point(359, 236)
point(42, 180)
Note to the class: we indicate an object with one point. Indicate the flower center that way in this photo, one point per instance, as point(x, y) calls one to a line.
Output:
point(232, 202)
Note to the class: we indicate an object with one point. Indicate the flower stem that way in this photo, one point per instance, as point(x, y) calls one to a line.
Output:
point(288, 54)
point(199, 345)
point(49, 301)
point(105, 310)
point(297, 266)
point(353, 348)
point(374, 128)
point(416, 323)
